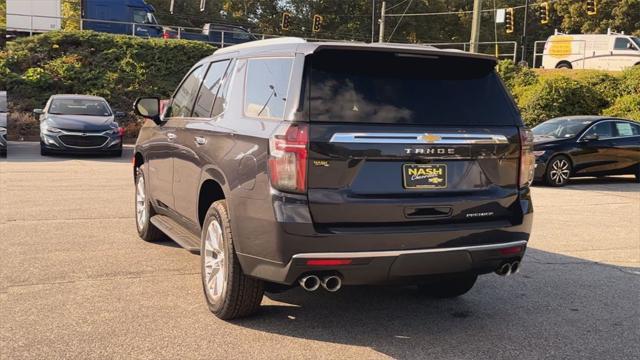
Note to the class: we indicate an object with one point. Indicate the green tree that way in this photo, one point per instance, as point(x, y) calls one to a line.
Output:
point(3, 14)
point(71, 14)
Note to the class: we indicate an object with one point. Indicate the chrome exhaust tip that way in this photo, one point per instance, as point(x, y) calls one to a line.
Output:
point(515, 267)
point(332, 283)
point(310, 282)
point(504, 269)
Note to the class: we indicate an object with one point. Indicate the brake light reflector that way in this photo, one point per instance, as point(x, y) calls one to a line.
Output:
point(288, 155)
point(511, 250)
point(328, 262)
point(527, 158)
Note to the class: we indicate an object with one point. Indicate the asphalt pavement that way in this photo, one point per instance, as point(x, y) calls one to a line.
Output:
point(76, 282)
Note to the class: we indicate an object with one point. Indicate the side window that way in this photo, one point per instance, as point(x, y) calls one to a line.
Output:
point(209, 89)
point(139, 16)
point(222, 98)
point(186, 95)
point(266, 87)
point(603, 130)
point(625, 129)
point(621, 44)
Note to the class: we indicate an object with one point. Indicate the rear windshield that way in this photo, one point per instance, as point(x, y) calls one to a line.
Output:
point(386, 87)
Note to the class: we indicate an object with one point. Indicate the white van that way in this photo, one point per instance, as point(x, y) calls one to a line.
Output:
point(604, 52)
point(33, 15)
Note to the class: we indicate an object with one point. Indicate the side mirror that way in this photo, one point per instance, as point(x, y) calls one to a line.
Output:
point(38, 111)
point(590, 137)
point(630, 46)
point(120, 114)
point(148, 108)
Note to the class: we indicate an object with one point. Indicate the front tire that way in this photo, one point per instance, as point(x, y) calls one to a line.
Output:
point(43, 150)
point(558, 171)
point(229, 293)
point(449, 286)
point(637, 173)
point(144, 211)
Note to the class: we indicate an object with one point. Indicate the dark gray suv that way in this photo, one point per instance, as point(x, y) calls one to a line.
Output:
point(288, 163)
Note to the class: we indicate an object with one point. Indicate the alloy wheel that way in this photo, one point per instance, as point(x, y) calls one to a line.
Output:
point(141, 206)
point(560, 171)
point(214, 261)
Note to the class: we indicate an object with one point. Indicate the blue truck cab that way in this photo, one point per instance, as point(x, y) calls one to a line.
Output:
point(100, 15)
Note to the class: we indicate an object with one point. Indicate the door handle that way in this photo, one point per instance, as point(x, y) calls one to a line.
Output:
point(171, 136)
point(200, 140)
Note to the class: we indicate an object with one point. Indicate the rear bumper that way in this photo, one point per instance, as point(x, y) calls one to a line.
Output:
point(280, 251)
point(405, 265)
point(392, 266)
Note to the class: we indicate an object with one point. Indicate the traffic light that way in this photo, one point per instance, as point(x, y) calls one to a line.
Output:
point(317, 22)
point(286, 21)
point(544, 13)
point(509, 25)
point(592, 8)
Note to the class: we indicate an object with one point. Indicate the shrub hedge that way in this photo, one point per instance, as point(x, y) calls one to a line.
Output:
point(543, 94)
point(119, 68)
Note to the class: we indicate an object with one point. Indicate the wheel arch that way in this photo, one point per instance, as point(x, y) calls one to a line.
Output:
point(564, 62)
point(138, 161)
point(212, 188)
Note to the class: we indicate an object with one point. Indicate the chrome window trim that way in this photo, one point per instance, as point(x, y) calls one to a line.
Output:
point(608, 138)
point(418, 138)
point(396, 253)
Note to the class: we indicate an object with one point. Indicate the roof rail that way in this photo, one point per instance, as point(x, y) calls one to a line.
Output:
point(259, 43)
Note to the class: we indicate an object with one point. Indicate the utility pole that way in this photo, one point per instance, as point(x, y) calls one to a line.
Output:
point(475, 26)
point(381, 35)
point(523, 61)
point(373, 20)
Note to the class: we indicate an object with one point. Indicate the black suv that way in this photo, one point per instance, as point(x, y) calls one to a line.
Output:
point(285, 162)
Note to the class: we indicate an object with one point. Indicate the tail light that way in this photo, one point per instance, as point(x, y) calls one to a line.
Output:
point(527, 158)
point(120, 131)
point(329, 262)
point(167, 35)
point(288, 152)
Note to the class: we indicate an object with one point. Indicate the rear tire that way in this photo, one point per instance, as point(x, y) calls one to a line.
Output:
point(558, 171)
point(449, 286)
point(564, 65)
point(144, 211)
point(637, 173)
point(229, 293)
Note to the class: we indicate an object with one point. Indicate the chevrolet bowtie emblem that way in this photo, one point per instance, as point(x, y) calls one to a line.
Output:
point(429, 138)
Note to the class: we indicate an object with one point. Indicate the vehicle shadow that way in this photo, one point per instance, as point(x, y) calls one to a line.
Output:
point(30, 152)
point(626, 183)
point(557, 307)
